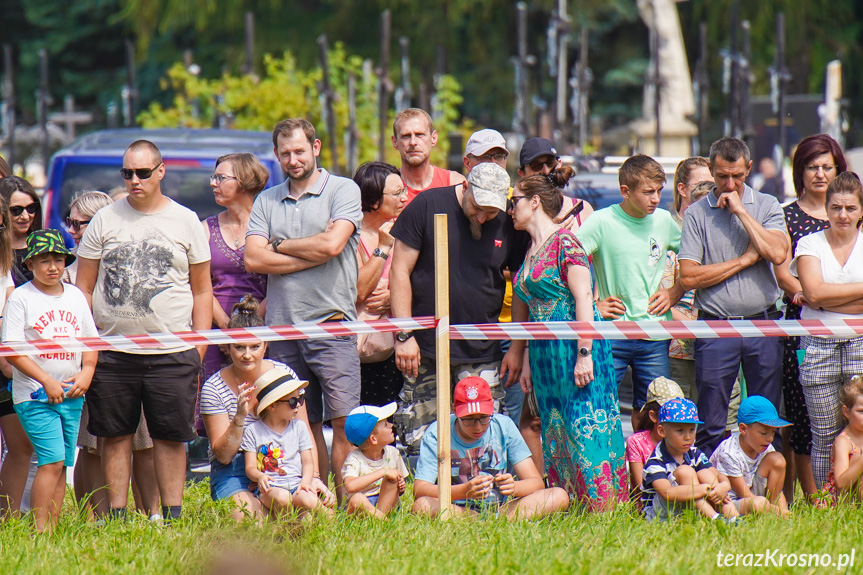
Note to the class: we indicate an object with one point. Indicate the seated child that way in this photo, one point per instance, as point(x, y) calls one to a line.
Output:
point(640, 445)
point(48, 388)
point(374, 472)
point(755, 470)
point(485, 451)
point(847, 458)
point(678, 474)
point(278, 447)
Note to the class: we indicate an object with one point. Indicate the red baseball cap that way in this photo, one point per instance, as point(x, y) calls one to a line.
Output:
point(473, 395)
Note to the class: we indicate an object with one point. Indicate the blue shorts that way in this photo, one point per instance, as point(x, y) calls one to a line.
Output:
point(52, 428)
point(226, 480)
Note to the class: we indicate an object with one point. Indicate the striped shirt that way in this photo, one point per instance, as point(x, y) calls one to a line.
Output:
point(217, 398)
point(661, 465)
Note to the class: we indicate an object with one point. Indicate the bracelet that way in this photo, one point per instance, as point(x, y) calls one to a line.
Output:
point(241, 426)
point(316, 474)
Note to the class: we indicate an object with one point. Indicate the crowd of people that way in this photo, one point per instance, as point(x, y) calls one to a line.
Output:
point(535, 427)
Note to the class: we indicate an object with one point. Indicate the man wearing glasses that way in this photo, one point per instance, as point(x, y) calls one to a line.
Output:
point(730, 239)
point(491, 465)
point(144, 264)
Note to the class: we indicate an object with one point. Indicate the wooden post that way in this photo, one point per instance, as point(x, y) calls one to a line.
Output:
point(383, 85)
point(10, 103)
point(328, 112)
point(441, 260)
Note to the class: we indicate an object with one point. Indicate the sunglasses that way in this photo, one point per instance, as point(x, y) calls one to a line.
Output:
point(142, 173)
point(537, 165)
point(511, 202)
point(76, 224)
point(18, 210)
point(293, 402)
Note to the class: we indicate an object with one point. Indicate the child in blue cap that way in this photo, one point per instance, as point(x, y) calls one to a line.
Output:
point(678, 474)
point(754, 468)
point(374, 472)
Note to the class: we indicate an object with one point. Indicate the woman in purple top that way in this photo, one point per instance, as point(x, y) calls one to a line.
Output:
point(236, 181)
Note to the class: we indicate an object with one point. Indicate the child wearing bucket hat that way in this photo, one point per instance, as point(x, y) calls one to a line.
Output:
point(640, 445)
point(374, 472)
point(754, 468)
point(678, 474)
point(48, 388)
point(278, 447)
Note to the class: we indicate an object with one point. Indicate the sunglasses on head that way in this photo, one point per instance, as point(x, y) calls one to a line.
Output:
point(18, 210)
point(76, 224)
point(293, 402)
point(142, 173)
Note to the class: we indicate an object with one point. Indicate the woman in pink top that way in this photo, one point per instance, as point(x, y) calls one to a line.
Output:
point(384, 196)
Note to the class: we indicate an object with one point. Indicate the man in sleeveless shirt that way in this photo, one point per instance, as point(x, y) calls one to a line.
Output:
point(414, 136)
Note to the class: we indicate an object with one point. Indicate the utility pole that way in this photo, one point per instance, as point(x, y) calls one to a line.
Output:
point(657, 87)
point(249, 63)
point(521, 62)
point(701, 90)
point(9, 96)
point(351, 136)
point(404, 92)
point(129, 92)
point(581, 81)
point(730, 74)
point(327, 95)
point(383, 84)
point(779, 78)
point(747, 131)
point(44, 101)
point(558, 46)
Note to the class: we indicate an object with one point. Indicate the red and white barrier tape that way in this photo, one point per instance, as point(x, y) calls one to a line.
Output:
point(657, 329)
point(494, 331)
point(214, 336)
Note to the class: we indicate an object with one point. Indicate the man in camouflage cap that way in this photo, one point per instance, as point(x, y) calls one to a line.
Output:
point(482, 243)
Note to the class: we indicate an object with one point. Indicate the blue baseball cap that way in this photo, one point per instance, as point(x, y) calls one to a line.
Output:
point(361, 421)
point(758, 409)
point(678, 410)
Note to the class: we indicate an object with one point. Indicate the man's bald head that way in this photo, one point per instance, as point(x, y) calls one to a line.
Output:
point(145, 146)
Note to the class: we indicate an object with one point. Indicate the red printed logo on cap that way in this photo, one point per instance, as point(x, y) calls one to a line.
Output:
point(472, 393)
point(498, 243)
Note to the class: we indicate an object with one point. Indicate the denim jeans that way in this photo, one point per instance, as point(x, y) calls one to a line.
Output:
point(648, 360)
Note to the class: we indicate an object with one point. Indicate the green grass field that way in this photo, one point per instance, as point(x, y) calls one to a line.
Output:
point(206, 541)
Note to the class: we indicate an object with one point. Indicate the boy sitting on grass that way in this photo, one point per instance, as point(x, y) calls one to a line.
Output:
point(48, 388)
point(374, 472)
point(278, 446)
point(678, 474)
point(485, 450)
point(640, 445)
point(754, 468)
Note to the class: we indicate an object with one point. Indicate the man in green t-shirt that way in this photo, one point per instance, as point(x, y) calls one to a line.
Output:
point(628, 242)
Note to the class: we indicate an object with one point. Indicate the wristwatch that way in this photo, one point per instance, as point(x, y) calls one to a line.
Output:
point(275, 243)
point(380, 254)
point(403, 336)
point(583, 352)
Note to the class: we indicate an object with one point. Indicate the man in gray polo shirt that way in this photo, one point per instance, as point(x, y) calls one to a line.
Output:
point(729, 241)
point(304, 233)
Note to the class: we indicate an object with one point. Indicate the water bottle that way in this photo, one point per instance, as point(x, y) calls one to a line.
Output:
point(40, 395)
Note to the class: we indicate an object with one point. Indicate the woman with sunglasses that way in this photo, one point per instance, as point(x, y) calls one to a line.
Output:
point(384, 196)
point(228, 405)
point(236, 182)
point(574, 380)
point(25, 217)
point(16, 463)
point(82, 209)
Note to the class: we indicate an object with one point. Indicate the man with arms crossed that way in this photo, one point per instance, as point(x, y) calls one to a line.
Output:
point(304, 233)
point(729, 241)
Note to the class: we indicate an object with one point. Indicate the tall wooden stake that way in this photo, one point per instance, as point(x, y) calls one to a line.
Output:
point(441, 260)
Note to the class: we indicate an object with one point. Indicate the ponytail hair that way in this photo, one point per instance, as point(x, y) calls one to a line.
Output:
point(549, 188)
point(245, 313)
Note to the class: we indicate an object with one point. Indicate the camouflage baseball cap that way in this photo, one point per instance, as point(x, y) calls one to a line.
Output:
point(48, 242)
point(490, 185)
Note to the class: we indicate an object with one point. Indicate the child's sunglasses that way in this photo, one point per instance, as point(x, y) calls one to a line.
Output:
point(142, 173)
point(16, 211)
point(293, 402)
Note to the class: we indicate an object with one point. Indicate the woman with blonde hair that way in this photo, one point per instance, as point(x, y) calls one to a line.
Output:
point(81, 210)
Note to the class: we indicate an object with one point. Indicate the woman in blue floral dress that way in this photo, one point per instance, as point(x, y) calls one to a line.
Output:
point(574, 382)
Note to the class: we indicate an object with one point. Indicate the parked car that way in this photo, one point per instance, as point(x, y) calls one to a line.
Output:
point(602, 189)
point(93, 162)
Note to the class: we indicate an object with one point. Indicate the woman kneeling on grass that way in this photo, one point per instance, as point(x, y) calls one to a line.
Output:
point(227, 405)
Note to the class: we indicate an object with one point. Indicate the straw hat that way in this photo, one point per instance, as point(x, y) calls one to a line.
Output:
point(274, 385)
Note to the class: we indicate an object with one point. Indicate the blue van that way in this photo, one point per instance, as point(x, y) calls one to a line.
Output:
point(93, 162)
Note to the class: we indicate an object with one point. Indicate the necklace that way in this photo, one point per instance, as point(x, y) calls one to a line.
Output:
point(234, 234)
